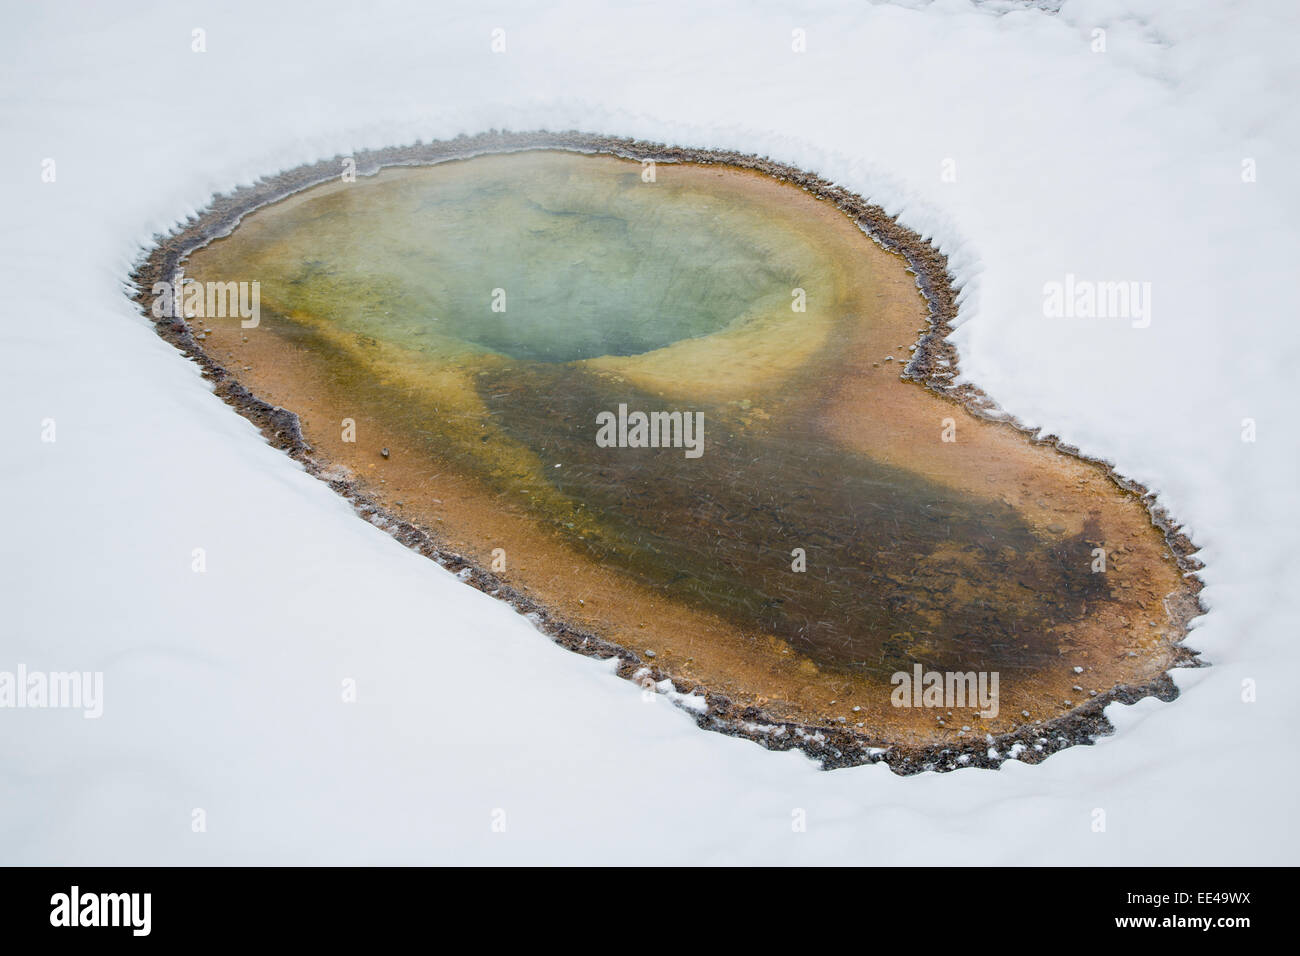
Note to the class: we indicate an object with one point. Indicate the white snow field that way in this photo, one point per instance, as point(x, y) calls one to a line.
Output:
point(222, 689)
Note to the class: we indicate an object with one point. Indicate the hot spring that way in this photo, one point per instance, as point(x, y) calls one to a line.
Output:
point(454, 338)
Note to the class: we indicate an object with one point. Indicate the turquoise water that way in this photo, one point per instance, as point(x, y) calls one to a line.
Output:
point(549, 266)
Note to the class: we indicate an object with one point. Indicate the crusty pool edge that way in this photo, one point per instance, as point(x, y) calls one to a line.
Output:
point(933, 365)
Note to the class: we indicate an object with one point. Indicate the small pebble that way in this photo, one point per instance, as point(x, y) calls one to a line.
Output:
point(384, 452)
point(650, 654)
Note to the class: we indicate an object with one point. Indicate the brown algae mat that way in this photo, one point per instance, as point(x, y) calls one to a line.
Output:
point(460, 339)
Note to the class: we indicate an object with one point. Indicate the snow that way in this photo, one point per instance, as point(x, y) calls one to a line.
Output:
point(222, 689)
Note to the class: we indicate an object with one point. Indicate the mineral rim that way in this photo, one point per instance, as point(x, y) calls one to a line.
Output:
point(769, 679)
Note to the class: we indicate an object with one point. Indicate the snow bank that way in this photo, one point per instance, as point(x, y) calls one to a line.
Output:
point(223, 689)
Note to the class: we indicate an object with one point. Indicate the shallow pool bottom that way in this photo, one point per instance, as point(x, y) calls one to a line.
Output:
point(802, 454)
